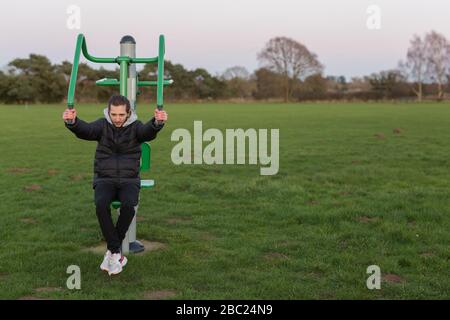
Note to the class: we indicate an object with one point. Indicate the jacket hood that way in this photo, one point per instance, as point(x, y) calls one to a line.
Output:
point(132, 118)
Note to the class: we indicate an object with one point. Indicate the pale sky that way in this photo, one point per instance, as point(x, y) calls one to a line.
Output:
point(217, 34)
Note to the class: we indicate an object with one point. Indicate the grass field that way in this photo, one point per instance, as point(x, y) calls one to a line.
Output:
point(350, 193)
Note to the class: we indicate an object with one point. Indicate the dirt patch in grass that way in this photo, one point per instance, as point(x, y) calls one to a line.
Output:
point(273, 256)
point(207, 237)
point(77, 177)
point(367, 219)
point(392, 278)
point(313, 202)
point(159, 294)
point(151, 246)
point(427, 254)
point(287, 243)
point(28, 220)
point(140, 218)
point(33, 187)
point(316, 274)
point(3, 275)
point(177, 220)
point(397, 131)
point(98, 249)
point(18, 170)
point(148, 245)
point(356, 162)
point(380, 135)
point(52, 172)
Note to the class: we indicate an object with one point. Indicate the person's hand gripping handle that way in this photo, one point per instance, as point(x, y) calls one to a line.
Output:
point(69, 115)
point(160, 116)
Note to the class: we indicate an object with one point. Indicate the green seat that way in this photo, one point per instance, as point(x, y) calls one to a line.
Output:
point(145, 166)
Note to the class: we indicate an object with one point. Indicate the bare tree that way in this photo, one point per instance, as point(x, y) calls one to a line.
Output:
point(415, 67)
point(238, 82)
point(290, 59)
point(438, 59)
point(236, 72)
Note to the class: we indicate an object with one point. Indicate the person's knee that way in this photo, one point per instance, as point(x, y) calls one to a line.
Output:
point(129, 203)
point(104, 194)
point(129, 196)
point(102, 202)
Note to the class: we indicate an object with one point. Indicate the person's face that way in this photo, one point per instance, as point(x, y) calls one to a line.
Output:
point(118, 115)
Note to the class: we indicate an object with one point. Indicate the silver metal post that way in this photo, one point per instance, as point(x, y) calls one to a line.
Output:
point(128, 48)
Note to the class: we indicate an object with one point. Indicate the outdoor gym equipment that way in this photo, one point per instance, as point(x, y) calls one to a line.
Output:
point(128, 84)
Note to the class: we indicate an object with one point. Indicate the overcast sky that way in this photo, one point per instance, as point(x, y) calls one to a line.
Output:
point(217, 34)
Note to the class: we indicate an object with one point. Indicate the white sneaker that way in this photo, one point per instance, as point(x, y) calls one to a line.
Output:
point(116, 263)
point(123, 261)
point(105, 264)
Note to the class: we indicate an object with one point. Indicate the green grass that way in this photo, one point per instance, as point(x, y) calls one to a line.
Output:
point(343, 199)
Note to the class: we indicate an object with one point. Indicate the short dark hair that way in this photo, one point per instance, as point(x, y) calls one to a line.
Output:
point(119, 100)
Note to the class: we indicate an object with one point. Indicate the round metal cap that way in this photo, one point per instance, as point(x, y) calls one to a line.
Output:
point(127, 39)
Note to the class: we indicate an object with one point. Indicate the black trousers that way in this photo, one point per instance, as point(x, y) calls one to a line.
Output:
point(128, 195)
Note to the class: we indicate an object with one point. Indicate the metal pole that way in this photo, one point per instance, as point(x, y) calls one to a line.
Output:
point(128, 48)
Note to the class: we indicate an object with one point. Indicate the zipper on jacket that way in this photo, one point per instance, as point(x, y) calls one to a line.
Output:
point(116, 154)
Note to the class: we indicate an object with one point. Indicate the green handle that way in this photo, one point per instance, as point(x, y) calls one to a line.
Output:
point(81, 47)
point(160, 79)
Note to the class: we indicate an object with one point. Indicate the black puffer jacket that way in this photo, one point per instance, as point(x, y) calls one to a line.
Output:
point(118, 151)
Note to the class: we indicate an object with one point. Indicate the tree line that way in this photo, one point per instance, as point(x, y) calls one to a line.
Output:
point(288, 71)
